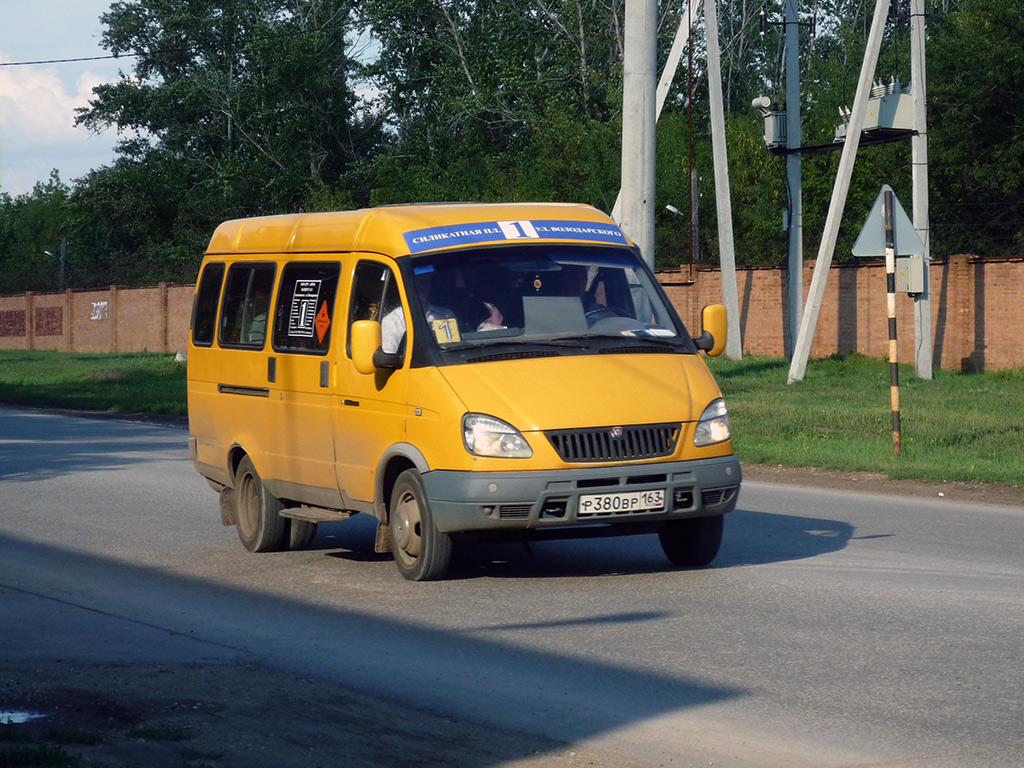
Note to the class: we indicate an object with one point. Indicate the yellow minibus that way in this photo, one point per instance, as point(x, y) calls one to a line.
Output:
point(457, 371)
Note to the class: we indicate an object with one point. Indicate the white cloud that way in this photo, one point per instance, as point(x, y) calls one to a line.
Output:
point(37, 128)
point(37, 102)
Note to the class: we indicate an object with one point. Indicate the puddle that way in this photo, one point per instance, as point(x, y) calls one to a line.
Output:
point(10, 717)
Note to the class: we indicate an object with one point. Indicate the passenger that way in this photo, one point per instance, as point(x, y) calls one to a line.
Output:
point(493, 322)
point(575, 281)
point(392, 326)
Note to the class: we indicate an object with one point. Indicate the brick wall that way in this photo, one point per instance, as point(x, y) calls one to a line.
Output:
point(977, 308)
point(977, 313)
point(113, 320)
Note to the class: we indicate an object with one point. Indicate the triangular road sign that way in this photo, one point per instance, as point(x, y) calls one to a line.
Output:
point(871, 241)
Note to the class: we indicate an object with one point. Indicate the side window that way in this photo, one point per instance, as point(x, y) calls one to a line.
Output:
point(204, 312)
point(243, 313)
point(305, 308)
point(375, 297)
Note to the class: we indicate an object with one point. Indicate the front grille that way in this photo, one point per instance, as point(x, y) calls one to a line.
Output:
point(642, 441)
point(715, 496)
point(514, 511)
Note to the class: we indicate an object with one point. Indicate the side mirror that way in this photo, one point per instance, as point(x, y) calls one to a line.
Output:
point(365, 342)
point(714, 321)
point(367, 355)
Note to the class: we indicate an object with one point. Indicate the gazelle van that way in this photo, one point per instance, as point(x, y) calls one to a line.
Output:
point(457, 372)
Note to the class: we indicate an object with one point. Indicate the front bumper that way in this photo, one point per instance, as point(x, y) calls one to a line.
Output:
point(508, 501)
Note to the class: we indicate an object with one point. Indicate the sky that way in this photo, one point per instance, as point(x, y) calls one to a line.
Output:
point(37, 103)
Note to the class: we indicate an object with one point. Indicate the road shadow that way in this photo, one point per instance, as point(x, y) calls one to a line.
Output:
point(37, 445)
point(131, 615)
point(750, 538)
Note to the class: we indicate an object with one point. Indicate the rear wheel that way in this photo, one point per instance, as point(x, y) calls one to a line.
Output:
point(421, 552)
point(260, 526)
point(300, 533)
point(692, 542)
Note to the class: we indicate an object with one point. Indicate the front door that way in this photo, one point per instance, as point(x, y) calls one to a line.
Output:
point(371, 410)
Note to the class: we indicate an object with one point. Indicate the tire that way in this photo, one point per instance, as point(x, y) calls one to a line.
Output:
point(692, 542)
point(421, 552)
point(259, 525)
point(300, 533)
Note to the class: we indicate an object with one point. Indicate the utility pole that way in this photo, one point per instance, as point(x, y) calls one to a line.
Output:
point(639, 121)
point(723, 198)
point(919, 181)
point(680, 42)
point(802, 350)
point(794, 184)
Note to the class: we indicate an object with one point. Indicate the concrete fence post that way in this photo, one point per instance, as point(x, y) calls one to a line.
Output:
point(30, 320)
point(113, 319)
point(69, 320)
point(165, 344)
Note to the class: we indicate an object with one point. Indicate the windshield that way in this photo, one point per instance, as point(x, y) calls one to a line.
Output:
point(541, 293)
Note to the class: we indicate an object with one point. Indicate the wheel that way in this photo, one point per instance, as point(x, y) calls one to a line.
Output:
point(693, 542)
point(421, 552)
point(259, 525)
point(300, 533)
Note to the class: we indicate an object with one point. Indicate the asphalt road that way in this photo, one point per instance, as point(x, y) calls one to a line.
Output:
point(834, 629)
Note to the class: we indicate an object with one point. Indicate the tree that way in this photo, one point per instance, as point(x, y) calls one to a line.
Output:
point(478, 94)
point(976, 114)
point(30, 225)
point(233, 109)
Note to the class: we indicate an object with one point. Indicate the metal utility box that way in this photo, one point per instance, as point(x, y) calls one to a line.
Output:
point(910, 274)
point(775, 129)
point(891, 111)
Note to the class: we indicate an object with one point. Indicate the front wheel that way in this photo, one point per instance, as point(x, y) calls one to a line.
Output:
point(421, 552)
point(692, 542)
point(260, 526)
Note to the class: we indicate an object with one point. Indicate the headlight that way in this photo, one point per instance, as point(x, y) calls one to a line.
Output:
point(488, 436)
point(713, 426)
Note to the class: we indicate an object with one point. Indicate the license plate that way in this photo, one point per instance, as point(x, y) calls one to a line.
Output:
point(621, 503)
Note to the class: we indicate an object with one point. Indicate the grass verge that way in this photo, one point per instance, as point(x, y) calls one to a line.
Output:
point(140, 383)
point(956, 427)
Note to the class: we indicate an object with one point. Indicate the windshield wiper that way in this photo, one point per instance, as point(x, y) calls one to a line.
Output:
point(627, 343)
point(536, 343)
point(516, 343)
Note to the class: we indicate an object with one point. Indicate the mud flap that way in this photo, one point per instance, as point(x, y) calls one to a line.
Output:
point(227, 507)
point(383, 544)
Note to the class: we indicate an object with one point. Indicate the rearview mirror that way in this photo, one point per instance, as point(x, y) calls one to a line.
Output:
point(714, 322)
point(367, 355)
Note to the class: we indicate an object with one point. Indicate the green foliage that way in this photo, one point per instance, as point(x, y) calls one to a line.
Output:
point(976, 109)
point(234, 109)
point(30, 225)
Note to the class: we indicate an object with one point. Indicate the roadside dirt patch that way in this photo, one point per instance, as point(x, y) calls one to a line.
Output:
point(243, 716)
point(109, 374)
point(871, 482)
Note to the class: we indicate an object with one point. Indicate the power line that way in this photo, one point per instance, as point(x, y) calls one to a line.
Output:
point(66, 61)
point(165, 51)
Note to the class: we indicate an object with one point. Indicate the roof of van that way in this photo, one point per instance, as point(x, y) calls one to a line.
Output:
point(401, 229)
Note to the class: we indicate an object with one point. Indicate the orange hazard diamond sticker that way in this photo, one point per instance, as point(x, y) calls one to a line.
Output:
point(323, 322)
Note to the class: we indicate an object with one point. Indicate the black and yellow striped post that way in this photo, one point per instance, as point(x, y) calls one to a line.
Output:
point(890, 285)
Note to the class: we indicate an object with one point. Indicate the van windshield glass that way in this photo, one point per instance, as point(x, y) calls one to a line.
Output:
point(541, 294)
